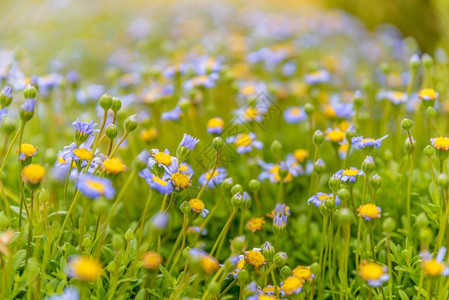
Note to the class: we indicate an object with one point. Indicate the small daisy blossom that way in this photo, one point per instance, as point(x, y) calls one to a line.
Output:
point(433, 267)
point(156, 182)
point(291, 285)
point(294, 114)
point(369, 211)
point(95, 187)
point(198, 206)
point(374, 274)
point(320, 199)
point(360, 142)
point(349, 175)
point(214, 178)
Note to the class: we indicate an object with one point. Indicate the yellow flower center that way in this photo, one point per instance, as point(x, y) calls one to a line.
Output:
point(209, 264)
point(300, 154)
point(350, 172)
point(113, 166)
point(398, 95)
point(255, 258)
point(33, 173)
point(433, 267)
point(251, 113)
point(210, 175)
point(367, 140)
point(324, 197)
point(180, 180)
point(196, 205)
point(295, 111)
point(183, 168)
point(329, 111)
point(28, 149)
point(275, 170)
point(96, 186)
point(291, 284)
point(241, 264)
point(255, 224)
point(243, 140)
point(82, 153)
point(151, 260)
point(343, 148)
point(336, 135)
point(162, 158)
point(86, 268)
point(159, 181)
point(368, 210)
point(215, 123)
point(266, 297)
point(371, 271)
point(441, 143)
point(248, 90)
point(302, 272)
point(427, 94)
point(149, 134)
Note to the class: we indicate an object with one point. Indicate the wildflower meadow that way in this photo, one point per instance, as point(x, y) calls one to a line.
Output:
point(220, 150)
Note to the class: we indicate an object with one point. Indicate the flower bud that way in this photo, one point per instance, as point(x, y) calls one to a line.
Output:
point(318, 138)
point(6, 96)
point(358, 100)
point(408, 146)
point(105, 101)
point(315, 268)
point(276, 147)
point(389, 225)
point(345, 216)
point(186, 252)
point(429, 151)
point(238, 244)
point(350, 133)
point(116, 104)
point(431, 112)
point(101, 205)
point(217, 143)
point(280, 259)
point(141, 161)
point(384, 67)
point(319, 167)
point(111, 131)
point(309, 109)
point(443, 180)
point(427, 60)
point(375, 182)
point(8, 125)
point(334, 183)
point(268, 251)
point(131, 123)
point(185, 207)
point(227, 183)
point(237, 188)
point(368, 164)
point(414, 63)
point(407, 124)
point(422, 220)
point(184, 104)
point(243, 275)
point(111, 267)
point(129, 235)
point(117, 242)
point(254, 185)
point(286, 272)
point(30, 92)
point(343, 194)
point(406, 254)
point(426, 235)
point(87, 242)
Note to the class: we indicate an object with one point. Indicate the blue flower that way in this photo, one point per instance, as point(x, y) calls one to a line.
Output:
point(350, 175)
point(172, 115)
point(360, 142)
point(294, 114)
point(95, 187)
point(189, 142)
point(214, 179)
point(393, 96)
point(83, 130)
point(69, 293)
point(80, 154)
point(320, 199)
point(155, 182)
point(159, 220)
point(28, 105)
point(317, 77)
point(245, 142)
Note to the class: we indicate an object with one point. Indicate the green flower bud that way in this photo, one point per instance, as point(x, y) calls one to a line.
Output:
point(414, 63)
point(101, 206)
point(318, 138)
point(111, 131)
point(268, 251)
point(105, 101)
point(116, 104)
point(228, 183)
point(422, 220)
point(131, 123)
point(184, 104)
point(243, 275)
point(87, 242)
point(218, 143)
point(375, 182)
point(315, 268)
point(254, 185)
point(408, 145)
point(5, 96)
point(343, 194)
point(406, 254)
point(8, 125)
point(286, 272)
point(388, 155)
point(443, 180)
point(29, 92)
point(117, 242)
point(431, 112)
point(345, 216)
point(186, 253)
point(407, 124)
point(50, 155)
point(329, 203)
point(319, 167)
point(389, 225)
point(185, 207)
point(276, 147)
point(111, 267)
point(426, 235)
point(309, 109)
point(384, 67)
point(334, 183)
point(280, 259)
point(237, 188)
point(350, 133)
point(368, 165)
point(429, 151)
point(358, 100)
point(238, 244)
point(427, 60)
point(129, 235)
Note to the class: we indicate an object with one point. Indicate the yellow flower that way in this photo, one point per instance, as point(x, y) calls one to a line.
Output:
point(427, 94)
point(243, 140)
point(215, 123)
point(33, 173)
point(85, 268)
point(441, 143)
point(27, 150)
point(372, 272)
point(113, 166)
point(302, 272)
point(255, 224)
point(209, 264)
point(148, 135)
point(180, 180)
point(255, 258)
point(82, 153)
point(162, 158)
point(369, 211)
point(433, 267)
point(292, 285)
point(196, 205)
point(300, 155)
point(151, 260)
point(335, 135)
